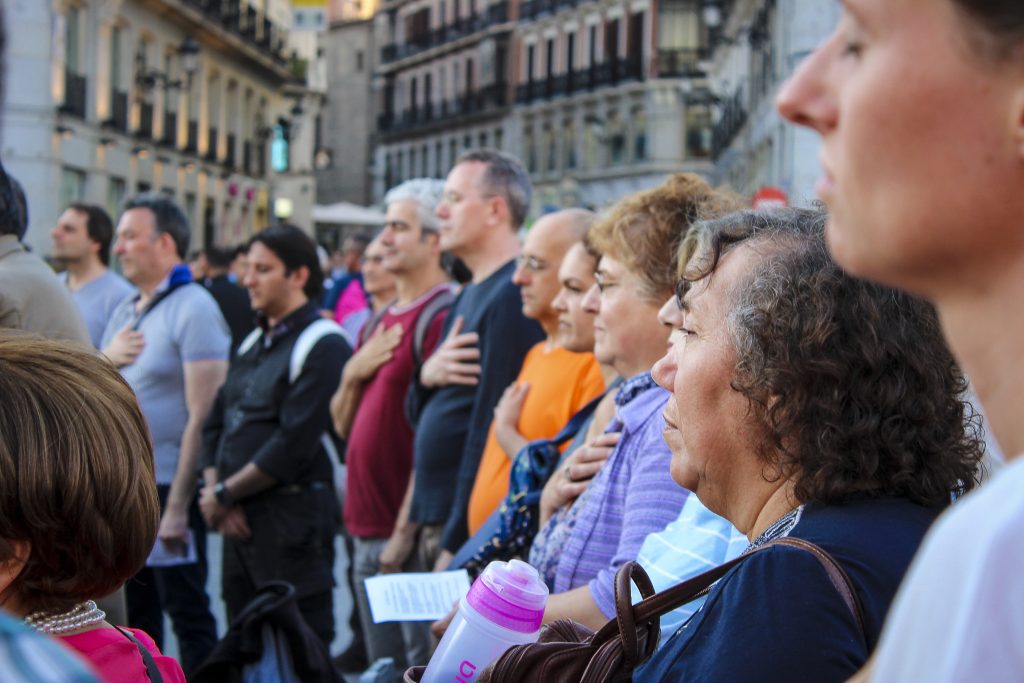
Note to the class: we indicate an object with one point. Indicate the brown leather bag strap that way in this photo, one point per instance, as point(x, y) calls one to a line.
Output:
point(664, 602)
point(631, 572)
point(837, 575)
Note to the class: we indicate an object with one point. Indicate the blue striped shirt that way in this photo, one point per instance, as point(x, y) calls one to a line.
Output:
point(697, 541)
point(27, 656)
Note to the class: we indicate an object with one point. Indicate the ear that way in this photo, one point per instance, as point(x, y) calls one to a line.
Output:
point(300, 276)
point(11, 568)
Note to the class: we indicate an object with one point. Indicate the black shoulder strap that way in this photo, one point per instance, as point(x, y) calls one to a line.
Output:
point(147, 657)
point(441, 302)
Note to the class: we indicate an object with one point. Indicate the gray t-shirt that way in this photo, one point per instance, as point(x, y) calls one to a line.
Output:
point(97, 300)
point(186, 326)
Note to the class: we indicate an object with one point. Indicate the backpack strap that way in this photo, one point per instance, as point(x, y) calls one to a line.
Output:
point(152, 672)
point(370, 325)
point(440, 303)
point(249, 341)
point(308, 338)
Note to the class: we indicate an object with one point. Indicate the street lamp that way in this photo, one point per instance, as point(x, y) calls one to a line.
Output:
point(147, 79)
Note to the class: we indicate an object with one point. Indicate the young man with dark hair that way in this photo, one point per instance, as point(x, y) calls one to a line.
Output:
point(81, 243)
point(267, 454)
point(171, 343)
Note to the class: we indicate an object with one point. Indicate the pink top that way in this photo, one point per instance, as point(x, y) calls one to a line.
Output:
point(351, 300)
point(118, 660)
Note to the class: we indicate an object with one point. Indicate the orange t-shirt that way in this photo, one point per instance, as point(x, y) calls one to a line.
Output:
point(561, 382)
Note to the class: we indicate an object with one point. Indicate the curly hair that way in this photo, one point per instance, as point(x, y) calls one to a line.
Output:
point(644, 230)
point(852, 381)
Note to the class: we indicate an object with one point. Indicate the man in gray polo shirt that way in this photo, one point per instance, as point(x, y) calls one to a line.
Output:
point(81, 243)
point(171, 343)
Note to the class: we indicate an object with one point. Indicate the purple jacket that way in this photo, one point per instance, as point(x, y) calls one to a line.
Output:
point(632, 496)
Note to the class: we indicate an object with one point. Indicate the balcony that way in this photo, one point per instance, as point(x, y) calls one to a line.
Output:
point(211, 145)
point(535, 9)
point(729, 124)
point(74, 94)
point(243, 21)
point(170, 137)
point(229, 156)
point(118, 112)
point(445, 113)
point(497, 13)
point(679, 63)
point(607, 73)
point(145, 121)
point(192, 142)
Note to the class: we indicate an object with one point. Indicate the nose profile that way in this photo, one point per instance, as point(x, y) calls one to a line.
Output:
point(804, 98)
point(592, 300)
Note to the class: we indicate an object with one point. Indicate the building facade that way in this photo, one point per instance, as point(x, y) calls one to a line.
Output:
point(107, 98)
point(441, 85)
point(755, 45)
point(601, 90)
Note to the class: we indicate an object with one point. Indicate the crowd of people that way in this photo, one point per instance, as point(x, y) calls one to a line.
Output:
point(676, 380)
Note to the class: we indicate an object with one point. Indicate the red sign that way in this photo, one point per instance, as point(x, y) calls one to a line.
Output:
point(770, 198)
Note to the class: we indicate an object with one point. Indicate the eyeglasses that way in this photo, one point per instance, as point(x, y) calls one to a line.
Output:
point(532, 263)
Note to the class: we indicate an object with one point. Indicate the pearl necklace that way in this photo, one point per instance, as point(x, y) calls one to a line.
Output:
point(78, 617)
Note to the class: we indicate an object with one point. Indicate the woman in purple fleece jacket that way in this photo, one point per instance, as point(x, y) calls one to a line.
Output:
point(633, 495)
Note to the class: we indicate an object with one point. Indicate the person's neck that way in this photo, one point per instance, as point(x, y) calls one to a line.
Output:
point(609, 374)
point(550, 327)
point(757, 511)
point(294, 304)
point(492, 255)
point(214, 273)
point(985, 336)
point(147, 287)
point(411, 286)
point(382, 299)
point(631, 367)
point(82, 272)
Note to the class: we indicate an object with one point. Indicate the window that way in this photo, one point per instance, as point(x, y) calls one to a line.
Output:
point(115, 58)
point(550, 149)
point(569, 143)
point(424, 168)
point(359, 61)
point(72, 42)
point(116, 188)
point(530, 149)
point(72, 186)
point(638, 120)
point(499, 138)
point(592, 47)
point(570, 52)
point(549, 58)
point(438, 165)
point(531, 56)
point(616, 138)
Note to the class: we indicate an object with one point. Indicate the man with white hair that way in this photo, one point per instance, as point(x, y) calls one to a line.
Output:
point(369, 413)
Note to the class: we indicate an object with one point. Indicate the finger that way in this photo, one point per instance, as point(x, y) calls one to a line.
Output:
point(463, 370)
point(467, 339)
point(461, 380)
point(607, 439)
point(472, 353)
point(456, 328)
point(586, 470)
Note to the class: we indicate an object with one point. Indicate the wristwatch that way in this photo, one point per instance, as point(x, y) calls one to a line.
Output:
point(223, 495)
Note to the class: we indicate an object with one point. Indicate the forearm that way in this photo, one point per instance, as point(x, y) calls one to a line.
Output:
point(346, 405)
point(403, 525)
point(248, 481)
point(510, 440)
point(183, 487)
point(578, 605)
point(210, 476)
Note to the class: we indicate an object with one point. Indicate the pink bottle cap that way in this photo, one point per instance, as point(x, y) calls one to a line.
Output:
point(511, 595)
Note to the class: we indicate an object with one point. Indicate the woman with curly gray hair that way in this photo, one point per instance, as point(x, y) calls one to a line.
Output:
point(807, 404)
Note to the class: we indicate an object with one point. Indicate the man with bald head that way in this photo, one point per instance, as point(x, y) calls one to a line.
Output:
point(553, 383)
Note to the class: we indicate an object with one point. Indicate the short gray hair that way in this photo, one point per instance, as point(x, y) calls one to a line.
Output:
point(167, 217)
point(426, 192)
point(505, 177)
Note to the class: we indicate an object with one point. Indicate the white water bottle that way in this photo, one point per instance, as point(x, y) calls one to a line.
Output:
point(504, 607)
